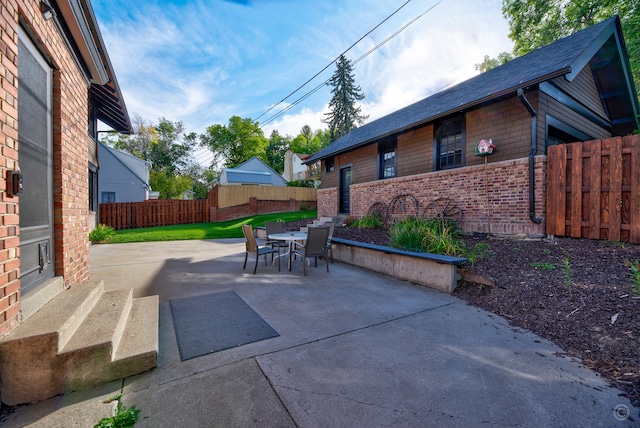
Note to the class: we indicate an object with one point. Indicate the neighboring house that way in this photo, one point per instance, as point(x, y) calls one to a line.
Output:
point(252, 171)
point(576, 89)
point(296, 169)
point(122, 177)
point(57, 84)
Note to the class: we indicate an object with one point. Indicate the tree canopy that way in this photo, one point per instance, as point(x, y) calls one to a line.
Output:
point(167, 148)
point(235, 143)
point(537, 23)
point(344, 115)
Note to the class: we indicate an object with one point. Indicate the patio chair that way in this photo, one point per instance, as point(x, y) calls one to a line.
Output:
point(255, 249)
point(331, 226)
point(315, 246)
point(275, 227)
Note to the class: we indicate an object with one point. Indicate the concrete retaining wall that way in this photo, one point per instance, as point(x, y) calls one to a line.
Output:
point(433, 270)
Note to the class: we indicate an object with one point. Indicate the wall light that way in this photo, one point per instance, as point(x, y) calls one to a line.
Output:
point(47, 10)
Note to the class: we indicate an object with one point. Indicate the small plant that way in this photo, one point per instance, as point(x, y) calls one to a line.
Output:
point(478, 252)
point(369, 221)
point(125, 417)
point(543, 266)
point(634, 271)
point(101, 233)
point(568, 276)
point(443, 241)
point(546, 251)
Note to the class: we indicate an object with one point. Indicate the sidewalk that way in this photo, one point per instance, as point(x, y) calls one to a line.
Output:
point(355, 349)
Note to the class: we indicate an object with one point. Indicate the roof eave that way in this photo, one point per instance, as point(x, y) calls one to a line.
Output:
point(443, 114)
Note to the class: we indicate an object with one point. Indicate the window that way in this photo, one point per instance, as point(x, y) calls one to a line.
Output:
point(108, 197)
point(93, 188)
point(329, 164)
point(387, 159)
point(449, 144)
point(559, 132)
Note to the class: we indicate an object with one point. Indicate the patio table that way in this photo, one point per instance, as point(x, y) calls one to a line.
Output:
point(290, 238)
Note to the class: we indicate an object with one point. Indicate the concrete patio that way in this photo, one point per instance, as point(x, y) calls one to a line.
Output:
point(355, 349)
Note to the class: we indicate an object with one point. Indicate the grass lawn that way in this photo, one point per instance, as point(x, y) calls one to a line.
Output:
point(218, 230)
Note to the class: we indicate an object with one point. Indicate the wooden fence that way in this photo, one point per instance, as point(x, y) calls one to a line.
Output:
point(231, 196)
point(222, 203)
point(161, 212)
point(593, 189)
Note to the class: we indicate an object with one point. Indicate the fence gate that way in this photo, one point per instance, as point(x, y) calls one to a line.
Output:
point(593, 189)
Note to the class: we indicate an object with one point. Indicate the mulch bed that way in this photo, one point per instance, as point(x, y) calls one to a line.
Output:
point(586, 307)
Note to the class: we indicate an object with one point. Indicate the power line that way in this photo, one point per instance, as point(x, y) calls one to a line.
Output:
point(279, 114)
point(317, 88)
point(331, 63)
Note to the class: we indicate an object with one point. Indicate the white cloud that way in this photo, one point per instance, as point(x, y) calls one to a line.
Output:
point(201, 65)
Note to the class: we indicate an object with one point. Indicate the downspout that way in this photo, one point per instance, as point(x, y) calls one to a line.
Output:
point(532, 176)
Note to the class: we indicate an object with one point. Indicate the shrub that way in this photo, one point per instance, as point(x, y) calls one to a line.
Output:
point(101, 233)
point(369, 221)
point(430, 236)
point(307, 182)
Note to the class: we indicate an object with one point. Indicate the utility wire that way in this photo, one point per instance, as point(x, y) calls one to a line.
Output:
point(279, 114)
point(317, 88)
point(331, 63)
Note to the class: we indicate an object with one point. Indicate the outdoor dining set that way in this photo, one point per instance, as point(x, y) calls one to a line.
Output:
point(311, 242)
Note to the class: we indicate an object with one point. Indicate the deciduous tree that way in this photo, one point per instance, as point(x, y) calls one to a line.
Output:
point(235, 143)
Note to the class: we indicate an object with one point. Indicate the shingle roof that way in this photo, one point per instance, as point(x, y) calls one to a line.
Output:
point(542, 64)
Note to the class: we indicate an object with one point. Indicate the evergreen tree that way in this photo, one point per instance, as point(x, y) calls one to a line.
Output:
point(344, 115)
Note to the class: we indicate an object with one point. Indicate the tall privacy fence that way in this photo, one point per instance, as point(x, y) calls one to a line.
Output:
point(593, 189)
point(222, 203)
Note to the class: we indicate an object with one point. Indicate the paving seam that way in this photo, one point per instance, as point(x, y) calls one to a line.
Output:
point(255, 357)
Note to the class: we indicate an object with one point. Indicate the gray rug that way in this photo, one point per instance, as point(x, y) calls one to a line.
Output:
point(214, 322)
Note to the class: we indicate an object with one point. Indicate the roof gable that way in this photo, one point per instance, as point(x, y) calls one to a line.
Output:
point(566, 56)
point(257, 164)
point(138, 167)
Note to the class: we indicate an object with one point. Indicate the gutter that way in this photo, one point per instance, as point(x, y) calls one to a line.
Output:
point(532, 178)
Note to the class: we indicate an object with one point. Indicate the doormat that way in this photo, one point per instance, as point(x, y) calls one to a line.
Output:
point(215, 322)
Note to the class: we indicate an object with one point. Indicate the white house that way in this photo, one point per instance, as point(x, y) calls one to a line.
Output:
point(295, 169)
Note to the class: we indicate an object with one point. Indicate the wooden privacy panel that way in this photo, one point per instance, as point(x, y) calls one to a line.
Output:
point(593, 189)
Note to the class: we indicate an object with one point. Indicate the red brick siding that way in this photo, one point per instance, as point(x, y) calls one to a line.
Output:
point(328, 202)
point(70, 159)
point(506, 183)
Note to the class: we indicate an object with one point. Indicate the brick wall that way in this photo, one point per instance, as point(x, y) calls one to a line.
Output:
point(9, 211)
point(328, 202)
point(495, 199)
point(70, 145)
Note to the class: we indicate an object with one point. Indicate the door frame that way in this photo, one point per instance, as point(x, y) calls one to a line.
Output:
point(341, 189)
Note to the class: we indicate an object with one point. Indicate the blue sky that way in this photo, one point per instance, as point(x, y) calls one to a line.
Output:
point(203, 61)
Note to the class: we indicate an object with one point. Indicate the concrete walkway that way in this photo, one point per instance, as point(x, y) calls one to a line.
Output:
point(356, 349)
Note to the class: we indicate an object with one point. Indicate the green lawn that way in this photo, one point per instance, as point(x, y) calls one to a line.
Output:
point(223, 229)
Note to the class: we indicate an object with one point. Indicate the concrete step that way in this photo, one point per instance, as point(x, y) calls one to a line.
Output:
point(103, 326)
point(138, 350)
point(62, 318)
point(82, 338)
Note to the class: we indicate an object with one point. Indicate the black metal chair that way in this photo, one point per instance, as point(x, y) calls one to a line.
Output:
point(275, 227)
point(315, 246)
point(255, 249)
